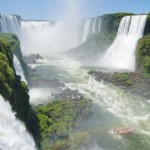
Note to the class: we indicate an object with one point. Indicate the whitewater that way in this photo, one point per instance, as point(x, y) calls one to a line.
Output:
point(112, 106)
point(13, 133)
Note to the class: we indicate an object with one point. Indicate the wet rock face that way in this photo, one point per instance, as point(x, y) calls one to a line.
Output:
point(37, 81)
point(33, 58)
point(62, 91)
point(69, 94)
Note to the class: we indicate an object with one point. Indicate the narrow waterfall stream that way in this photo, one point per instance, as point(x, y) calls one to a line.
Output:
point(18, 68)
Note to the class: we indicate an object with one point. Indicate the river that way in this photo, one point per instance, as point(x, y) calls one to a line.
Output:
point(112, 106)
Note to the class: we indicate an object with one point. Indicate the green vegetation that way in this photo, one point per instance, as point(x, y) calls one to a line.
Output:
point(110, 22)
point(147, 26)
point(11, 87)
point(143, 55)
point(6, 72)
point(124, 78)
point(59, 118)
point(121, 76)
point(14, 43)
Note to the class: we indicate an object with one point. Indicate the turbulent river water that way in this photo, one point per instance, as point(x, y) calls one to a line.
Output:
point(112, 107)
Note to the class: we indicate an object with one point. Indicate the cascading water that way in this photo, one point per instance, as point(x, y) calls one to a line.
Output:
point(121, 54)
point(99, 26)
point(13, 134)
point(18, 68)
point(112, 103)
point(86, 30)
point(31, 33)
point(49, 37)
point(94, 26)
point(9, 23)
point(91, 26)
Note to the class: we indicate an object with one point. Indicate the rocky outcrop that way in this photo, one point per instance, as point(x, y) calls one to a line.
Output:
point(147, 25)
point(143, 55)
point(32, 58)
point(133, 82)
point(68, 94)
point(37, 81)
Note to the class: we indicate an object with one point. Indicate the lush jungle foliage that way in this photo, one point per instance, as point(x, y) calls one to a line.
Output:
point(143, 54)
point(147, 26)
point(59, 118)
point(14, 43)
point(11, 87)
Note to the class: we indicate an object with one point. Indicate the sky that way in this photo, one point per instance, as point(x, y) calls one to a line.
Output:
point(58, 9)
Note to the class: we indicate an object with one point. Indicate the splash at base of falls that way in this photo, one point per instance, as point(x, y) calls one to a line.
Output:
point(13, 134)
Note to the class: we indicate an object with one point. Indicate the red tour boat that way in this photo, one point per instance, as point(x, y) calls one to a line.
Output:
point(123, 130)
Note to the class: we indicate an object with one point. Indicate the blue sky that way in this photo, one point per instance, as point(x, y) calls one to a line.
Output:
point(57, 9)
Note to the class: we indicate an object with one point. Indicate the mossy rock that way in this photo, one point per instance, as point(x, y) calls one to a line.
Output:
point(14, 43)
point(143, 55)
point(11, 87)
point(147, 26)
point(59, 118)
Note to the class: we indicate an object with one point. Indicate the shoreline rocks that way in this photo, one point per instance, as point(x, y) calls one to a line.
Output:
point(33, 58)
point(133, 82)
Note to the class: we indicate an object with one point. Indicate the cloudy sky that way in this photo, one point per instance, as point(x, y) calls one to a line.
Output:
point(58, 9)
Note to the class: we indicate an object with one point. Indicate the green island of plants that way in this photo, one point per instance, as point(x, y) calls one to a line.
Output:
point(58, 119)
point(143, 55)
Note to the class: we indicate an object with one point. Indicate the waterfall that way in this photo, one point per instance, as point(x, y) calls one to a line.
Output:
point(49, 37)
point(18, 68)
point(99, 26)
point(121, 54)
point(13, 134)
point(86, 30)
point(94, 26)
point(9, 23)
point(91, 26)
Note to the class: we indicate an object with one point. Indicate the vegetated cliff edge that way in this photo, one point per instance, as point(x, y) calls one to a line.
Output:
point(138, 81)
point(14, 43)
point(11, 87)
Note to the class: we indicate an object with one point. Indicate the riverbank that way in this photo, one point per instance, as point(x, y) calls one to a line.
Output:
point(133, 82)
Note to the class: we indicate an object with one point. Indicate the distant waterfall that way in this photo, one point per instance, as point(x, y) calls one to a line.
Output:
point(91, 26)
point(18, 68)
point(86, 30)
point(9, 23)
point(49, 37)
point(13, 134)
point(121, 54)
point(94, 26)
point(29, 26)
point(99, 26)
